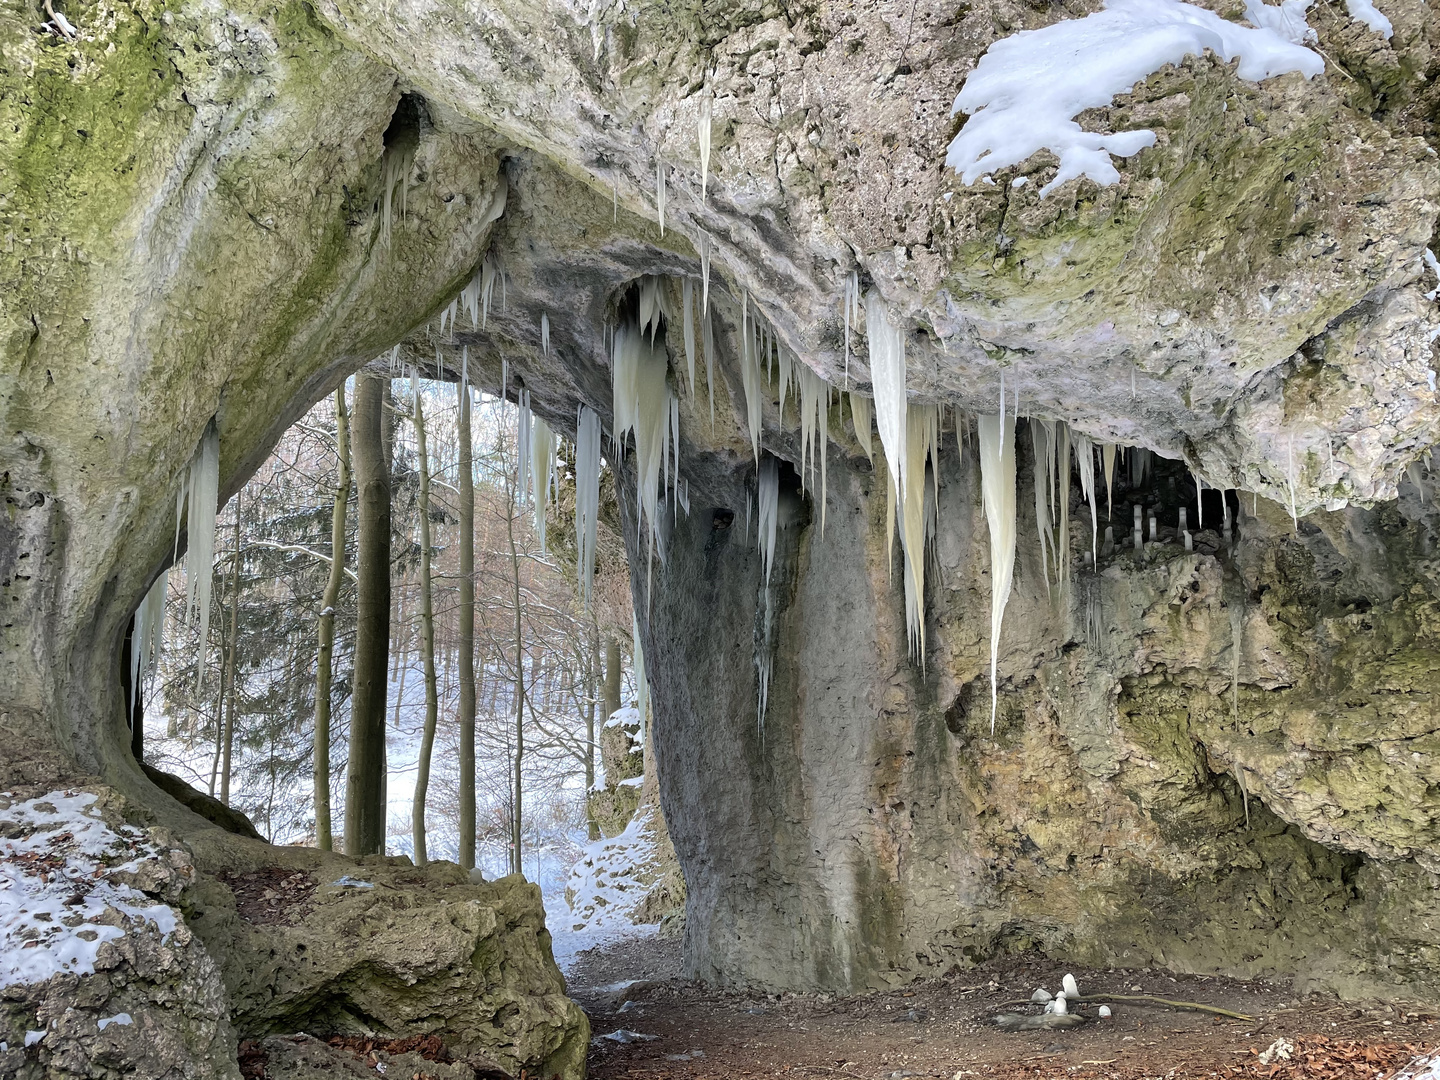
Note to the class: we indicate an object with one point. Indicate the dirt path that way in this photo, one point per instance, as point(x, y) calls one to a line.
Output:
point(944, 1028)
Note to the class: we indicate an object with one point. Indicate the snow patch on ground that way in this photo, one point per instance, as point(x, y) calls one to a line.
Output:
point(604, 888)
point(1024, 94)
point(58, 901)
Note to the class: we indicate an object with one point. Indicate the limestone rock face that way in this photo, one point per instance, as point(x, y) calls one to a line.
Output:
point(190, 231)
point(310, 942)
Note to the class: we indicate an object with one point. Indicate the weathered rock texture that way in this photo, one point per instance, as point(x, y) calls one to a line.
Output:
point(189, 231)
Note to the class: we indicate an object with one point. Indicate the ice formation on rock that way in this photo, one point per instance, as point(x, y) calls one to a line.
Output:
point(997, 481)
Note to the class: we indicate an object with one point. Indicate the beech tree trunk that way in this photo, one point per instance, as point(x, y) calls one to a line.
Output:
point(365, 776)
point(467, 636)
point(612, 678)
point(427, 642)
point(323, 666)
point(231, 666)
point(517, 811)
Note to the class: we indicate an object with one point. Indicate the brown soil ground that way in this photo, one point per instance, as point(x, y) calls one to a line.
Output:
point(945, 1028)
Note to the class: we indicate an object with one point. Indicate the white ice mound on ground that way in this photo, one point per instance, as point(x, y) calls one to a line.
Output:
point(62, 893)
point(1024, 94)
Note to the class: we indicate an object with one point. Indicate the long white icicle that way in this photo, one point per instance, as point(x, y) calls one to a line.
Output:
point(997, 479)
point(587, 497)
point(887, 378)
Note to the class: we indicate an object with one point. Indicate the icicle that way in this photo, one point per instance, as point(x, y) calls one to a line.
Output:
point(1132, 382)
point(750, 377)
point(997, 479)
point(504, 375)
point(1107, 459)
point(524, 446)
point(394, 173)
point(488, 271)
point(767, 480)
point(146, 639)
point(1085, 460)
point(1062, 493)
point(921, 435)
point(687, 302)
point(1290, 478)
point(542, 473)
point(887, 380)
point(642, 405)
point(704, 137)
point(1039, 440)
point(587, 498)
point(204, 492)
point(768, 487)
point(851, 304)
point(464, 367)
point(545, 333)
point(814, 427)
point(705, 275)
point(862, 415)
point(660, 193)
point(709, 343)
point(642, 683)
point(1199, 502)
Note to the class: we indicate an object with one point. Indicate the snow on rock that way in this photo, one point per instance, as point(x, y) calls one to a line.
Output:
point(1024, 94)
point(63, 891)
point(1370, 15)
point(628, 717)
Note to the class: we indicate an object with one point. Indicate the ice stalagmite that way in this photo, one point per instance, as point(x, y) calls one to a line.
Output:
point(704, 138)
point(862, 415)
point(204, 490)
point(997, 479)
point(687, 302)
point(545, 333)
point(587, 497)
point(887, 378)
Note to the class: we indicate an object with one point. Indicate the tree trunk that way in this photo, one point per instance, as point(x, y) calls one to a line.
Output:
point(612, 678)
point(591, 669)
point(323, 667)
point(516, 815)
point(467, 636)
point(364, 780)
point(232, 694)
point(427, 643)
